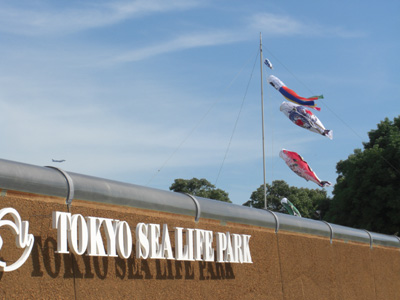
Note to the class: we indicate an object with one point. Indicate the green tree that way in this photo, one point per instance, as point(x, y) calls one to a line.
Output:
point(199, 187)
point(367, 190)
point(307, 201)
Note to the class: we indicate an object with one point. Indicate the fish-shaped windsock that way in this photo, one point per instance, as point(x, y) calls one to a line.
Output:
point(298, 165)
point(292, 210)
point(303, 117)
point(292, 95)
point(268, 64)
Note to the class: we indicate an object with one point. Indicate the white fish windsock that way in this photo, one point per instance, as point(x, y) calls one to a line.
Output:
point(298, 165)
point(303, 117)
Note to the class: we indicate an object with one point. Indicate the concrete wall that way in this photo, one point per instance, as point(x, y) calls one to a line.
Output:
point(285, 265)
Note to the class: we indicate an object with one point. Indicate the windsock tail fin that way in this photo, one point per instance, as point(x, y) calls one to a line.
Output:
point(328, 133)
point(325, 183)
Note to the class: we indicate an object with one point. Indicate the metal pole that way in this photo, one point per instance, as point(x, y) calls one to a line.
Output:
point(262, 119)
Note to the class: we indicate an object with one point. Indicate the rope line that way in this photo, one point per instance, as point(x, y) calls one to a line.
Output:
point(197, 124)
point(237, 120)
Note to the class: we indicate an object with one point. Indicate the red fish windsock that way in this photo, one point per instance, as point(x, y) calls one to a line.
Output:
point(298, 165)
point(303, 117)
point(292, 95)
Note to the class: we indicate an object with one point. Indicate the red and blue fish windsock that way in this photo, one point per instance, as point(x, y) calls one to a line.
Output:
point(292, 95)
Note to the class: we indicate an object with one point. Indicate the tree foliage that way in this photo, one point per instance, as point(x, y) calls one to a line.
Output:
point(367, 190)
point(199, 187)
point(307, 201)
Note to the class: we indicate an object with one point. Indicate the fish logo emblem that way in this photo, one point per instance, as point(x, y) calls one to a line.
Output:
point(23, 239)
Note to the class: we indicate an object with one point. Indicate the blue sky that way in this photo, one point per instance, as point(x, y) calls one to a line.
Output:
point(148, 91)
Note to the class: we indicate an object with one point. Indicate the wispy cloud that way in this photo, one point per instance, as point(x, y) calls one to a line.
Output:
point(268, 23)
point(179, 43)
point(61, 20)
point(92, 134)
point(273, 24)
point(283, 25)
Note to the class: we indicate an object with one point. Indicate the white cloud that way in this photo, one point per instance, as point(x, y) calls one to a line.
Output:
point(272, 24)
point(267, 23)
point(60, 20)
point(277, 25)
point(183, 42)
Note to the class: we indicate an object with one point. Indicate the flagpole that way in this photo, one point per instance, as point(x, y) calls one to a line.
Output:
point(262, 120)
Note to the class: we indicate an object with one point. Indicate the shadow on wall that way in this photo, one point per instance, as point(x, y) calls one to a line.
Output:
point(45, 259)
point(1, 273)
